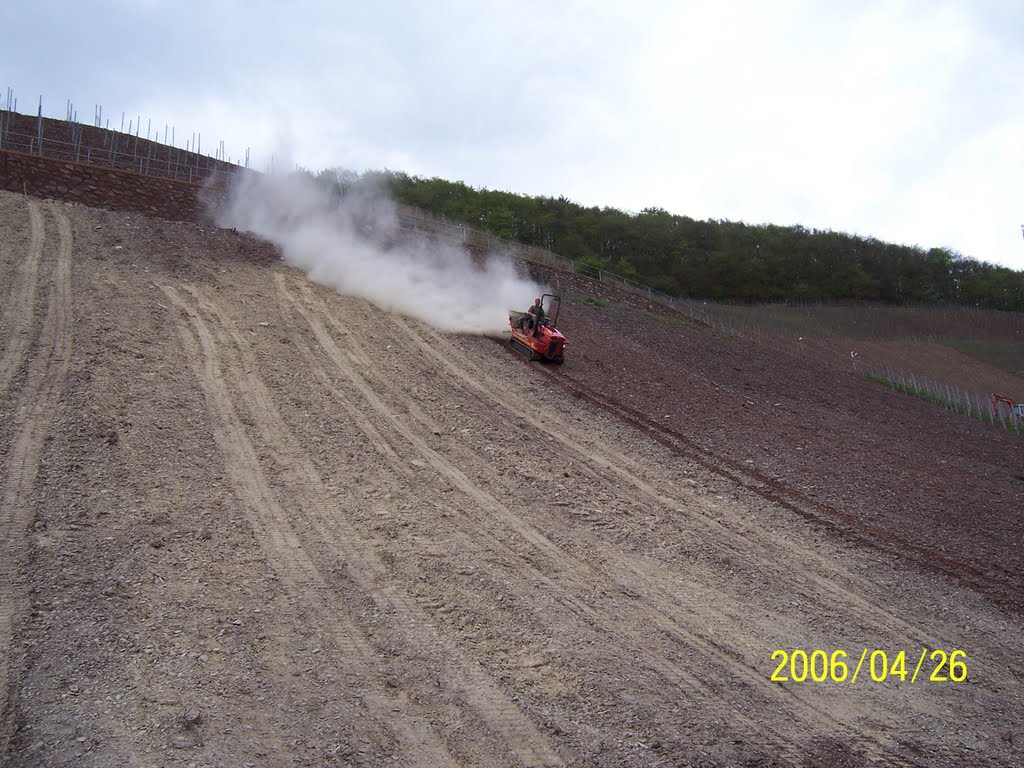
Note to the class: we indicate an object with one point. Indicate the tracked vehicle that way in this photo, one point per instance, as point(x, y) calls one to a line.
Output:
point(538, 338)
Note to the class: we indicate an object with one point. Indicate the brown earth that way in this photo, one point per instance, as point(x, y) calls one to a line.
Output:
point(959, 353)
point(942, 363)
point(247, 521)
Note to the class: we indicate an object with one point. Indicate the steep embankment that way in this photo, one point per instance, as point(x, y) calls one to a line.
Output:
point(247, 520)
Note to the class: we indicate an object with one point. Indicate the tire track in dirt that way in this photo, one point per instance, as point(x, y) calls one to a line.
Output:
point(833, 586)
point(612, 468)
point(660, 615)
point(665, 607)
point(842, 524)
point(571, 570)
point(503, 718)
point(282, 545)
point(825, 573)
point(18, 312)
point(615, 468)
point(47, 371)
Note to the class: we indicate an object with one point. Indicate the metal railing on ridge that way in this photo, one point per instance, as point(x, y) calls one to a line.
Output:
point(119, 151)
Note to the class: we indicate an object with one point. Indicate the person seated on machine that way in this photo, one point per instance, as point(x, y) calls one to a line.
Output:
point(536, 313)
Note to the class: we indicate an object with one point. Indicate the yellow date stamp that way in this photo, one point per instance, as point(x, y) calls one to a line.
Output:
point(818, 666)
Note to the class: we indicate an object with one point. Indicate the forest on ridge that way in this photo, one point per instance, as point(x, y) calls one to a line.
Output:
point(715, 259)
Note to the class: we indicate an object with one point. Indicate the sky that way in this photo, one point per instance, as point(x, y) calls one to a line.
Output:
point(900, 120)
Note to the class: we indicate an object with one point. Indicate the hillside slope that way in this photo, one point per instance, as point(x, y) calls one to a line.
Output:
point(249, 521)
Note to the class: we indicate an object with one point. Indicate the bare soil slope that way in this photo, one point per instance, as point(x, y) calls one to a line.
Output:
point(248, 521)
point(944, 363)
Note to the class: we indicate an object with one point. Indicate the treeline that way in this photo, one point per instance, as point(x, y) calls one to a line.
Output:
point(721, 259)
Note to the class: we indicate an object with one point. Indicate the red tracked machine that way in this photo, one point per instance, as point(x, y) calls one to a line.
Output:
point(537, 337)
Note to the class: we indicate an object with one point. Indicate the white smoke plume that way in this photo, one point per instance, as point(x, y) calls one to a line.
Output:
point(353, 243)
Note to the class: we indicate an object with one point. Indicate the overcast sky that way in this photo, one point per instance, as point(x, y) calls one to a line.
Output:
point(898, 120)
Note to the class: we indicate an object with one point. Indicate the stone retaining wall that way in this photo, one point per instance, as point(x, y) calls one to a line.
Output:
point(100, 187)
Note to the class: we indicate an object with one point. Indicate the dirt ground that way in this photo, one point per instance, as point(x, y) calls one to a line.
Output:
point(247, 521)
point(934, 360)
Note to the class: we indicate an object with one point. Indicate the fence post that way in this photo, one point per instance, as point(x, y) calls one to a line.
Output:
point(39, 126)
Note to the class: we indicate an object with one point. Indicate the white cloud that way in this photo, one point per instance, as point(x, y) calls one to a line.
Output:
point(896, 120)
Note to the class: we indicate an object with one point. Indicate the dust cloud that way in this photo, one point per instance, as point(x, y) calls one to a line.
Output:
point(354, 243)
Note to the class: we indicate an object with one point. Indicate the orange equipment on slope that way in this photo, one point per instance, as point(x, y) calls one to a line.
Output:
point(1016, 410)
point(536, 336)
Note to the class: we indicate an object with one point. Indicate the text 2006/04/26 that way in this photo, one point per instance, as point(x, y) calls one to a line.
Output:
point(818, 666)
